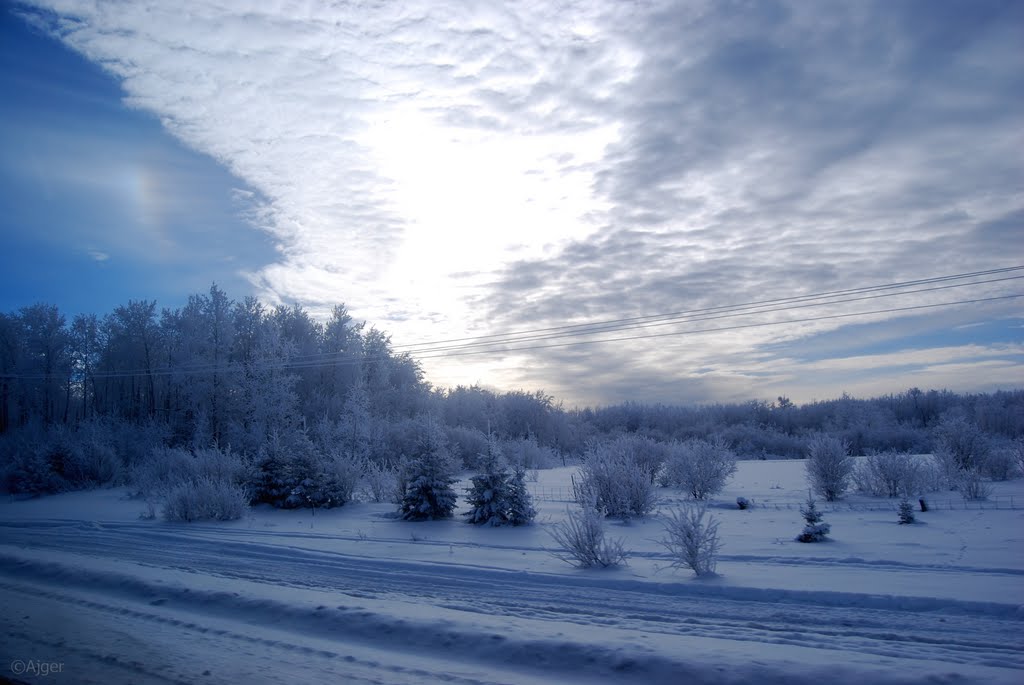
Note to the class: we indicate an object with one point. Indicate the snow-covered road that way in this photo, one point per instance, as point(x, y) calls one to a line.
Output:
point(141, 602)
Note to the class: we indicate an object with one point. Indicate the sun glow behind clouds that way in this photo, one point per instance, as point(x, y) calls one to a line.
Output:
point(472, 199)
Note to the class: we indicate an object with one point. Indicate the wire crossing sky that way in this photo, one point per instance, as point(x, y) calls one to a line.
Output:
point(825, 191)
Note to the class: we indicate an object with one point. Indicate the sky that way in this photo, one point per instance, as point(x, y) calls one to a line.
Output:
point(455, 170)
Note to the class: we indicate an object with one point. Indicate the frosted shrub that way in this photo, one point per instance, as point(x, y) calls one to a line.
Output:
point(208, 484)
point(893, 474)
point(525, 452)
point(583, 542)
point(204, 499)
point(972, 486)
point(700, 467)
point(380, 483)
point(960, 444)
point(829, 466)
point(815, 530)
point(615, 483)
point(1001, 463)
point(160, 470)
point(692, 540)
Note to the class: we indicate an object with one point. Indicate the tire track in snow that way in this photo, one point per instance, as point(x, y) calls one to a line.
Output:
point(808, 619)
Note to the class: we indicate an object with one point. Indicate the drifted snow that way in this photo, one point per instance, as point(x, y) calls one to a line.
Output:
point(354, 595)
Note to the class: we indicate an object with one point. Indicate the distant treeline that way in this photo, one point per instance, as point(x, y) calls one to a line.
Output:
point(240, 375)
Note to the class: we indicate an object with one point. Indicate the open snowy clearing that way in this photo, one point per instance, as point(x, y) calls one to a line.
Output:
point(93, 594)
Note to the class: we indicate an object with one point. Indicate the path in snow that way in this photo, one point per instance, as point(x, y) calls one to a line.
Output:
point(258, 606)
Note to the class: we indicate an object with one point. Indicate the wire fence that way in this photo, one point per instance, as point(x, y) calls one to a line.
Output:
point(556, 493)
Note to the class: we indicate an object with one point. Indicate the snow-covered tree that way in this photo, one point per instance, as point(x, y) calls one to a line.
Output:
point(829, 466)
point(429, 476)
point(498, 496)
point(906, 511)
point(816, 530)
point(700, 467)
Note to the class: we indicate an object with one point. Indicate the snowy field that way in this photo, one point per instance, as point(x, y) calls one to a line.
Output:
point(93, 594)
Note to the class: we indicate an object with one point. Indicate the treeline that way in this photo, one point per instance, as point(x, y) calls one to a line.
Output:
point(906, 422)
point(85, 401)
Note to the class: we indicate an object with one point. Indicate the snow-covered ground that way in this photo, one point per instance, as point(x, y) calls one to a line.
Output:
point(90, 593)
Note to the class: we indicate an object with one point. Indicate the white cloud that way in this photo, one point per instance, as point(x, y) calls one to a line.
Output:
point(454, 168)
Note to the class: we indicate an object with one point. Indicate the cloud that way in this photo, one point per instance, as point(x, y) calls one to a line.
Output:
point(98, 255)
point(479, 168)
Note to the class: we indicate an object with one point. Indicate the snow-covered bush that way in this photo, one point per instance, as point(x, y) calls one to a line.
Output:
point(204, 498)
point(207, 484)
point(466, 445)
point(1001, 462)
point(829, 466)
point(525, 452)
point(615, 483)
point(815, 530)
point(380, 483)
point(894, 474)
point(700, 467)
point(583, 542)
point(429, 474)
point(692, 540)
point(906, 511)
point(960, 445)
point(742, 503)
point(971, 485)
point(161, 470)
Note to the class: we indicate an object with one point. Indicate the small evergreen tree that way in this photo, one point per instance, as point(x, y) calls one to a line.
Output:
point(488, 495)
point(815, 530)
point(430, 474)
point(520, 502)
point(498, 497)
point(906, 511)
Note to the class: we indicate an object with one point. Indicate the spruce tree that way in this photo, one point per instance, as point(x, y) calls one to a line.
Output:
point(815, 530)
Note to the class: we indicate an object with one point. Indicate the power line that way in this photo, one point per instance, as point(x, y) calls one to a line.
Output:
point(486, 344)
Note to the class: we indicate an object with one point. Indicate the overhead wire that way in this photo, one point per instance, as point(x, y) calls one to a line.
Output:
point(499, 343)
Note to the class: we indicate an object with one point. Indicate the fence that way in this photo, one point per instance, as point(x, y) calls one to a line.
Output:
point(555, 493)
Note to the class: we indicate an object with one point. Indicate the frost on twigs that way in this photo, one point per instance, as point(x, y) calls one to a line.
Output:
point(582, 537)
point(691, 539)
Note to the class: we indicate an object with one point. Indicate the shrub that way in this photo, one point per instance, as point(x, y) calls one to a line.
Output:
point(614, 483)
point(525, 452)
point(582, 537)
point(829, 466)
point(691, 540)
point(893, 474)
point(742, 503)
point(971, 486)
point(161, 470)
point(381, 484)
point(960, 444)
point(208, 484)
point(700, 467)
point(1001, 463)
point(815, 530)
point(204, 498)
